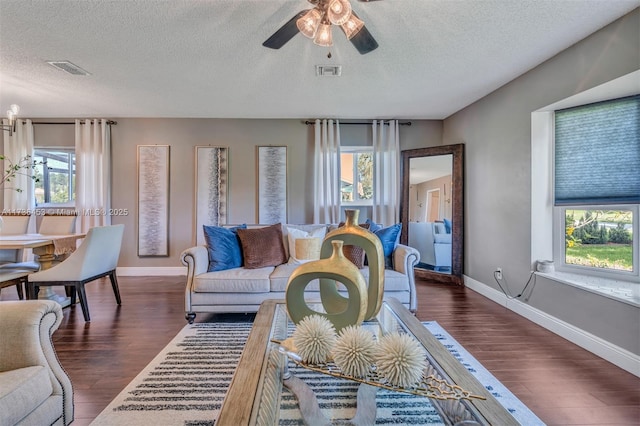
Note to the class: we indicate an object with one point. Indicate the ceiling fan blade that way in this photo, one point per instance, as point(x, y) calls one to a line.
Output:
point(364, 41)
point(284, 34)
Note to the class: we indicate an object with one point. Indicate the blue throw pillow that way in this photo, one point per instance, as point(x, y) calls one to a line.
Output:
point(447, 226)
point(223, 246)
point(373, 227)
point(389, 237)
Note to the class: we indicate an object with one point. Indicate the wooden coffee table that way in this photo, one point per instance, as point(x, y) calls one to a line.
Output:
point(254, 393)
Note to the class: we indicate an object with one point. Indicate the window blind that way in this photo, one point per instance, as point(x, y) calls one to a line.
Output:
point(597, 153)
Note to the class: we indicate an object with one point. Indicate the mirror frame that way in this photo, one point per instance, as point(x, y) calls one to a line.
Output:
point(457, 208)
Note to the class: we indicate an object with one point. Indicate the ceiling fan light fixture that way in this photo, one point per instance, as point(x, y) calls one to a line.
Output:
point(339, 11)
point(308, 24)
point(352, 26)
point(323, 35)
point(316, 23)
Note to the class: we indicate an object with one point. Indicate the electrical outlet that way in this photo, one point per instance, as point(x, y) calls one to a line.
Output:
point(498, 273)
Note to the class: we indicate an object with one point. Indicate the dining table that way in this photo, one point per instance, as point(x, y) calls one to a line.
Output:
point(47, 250)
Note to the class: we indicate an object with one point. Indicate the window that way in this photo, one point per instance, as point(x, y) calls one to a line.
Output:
point(599, 238)
point(356, 176)
point(597, 187)
point(56, 174)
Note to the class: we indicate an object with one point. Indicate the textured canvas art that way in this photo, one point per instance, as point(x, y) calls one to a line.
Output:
point(211, 188)
point(153, 200)
point(272, 184)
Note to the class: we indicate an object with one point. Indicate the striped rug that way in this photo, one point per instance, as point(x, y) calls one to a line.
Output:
point(186, 382)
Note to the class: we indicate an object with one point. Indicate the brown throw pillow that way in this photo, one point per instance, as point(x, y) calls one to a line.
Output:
point(262, 246)
point(354, 253)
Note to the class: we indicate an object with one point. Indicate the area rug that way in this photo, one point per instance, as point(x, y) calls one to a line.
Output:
point(186, 383)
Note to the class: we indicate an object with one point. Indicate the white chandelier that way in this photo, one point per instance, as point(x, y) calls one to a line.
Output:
point(316, 23)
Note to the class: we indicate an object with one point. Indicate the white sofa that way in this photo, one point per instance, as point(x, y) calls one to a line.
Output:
point(243, 290)
point(433, 243)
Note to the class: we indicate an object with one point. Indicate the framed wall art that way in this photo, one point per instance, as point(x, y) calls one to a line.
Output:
point(212, 170)
point(153, 200)
point(272, 184)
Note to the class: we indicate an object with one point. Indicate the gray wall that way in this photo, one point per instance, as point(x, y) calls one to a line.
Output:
point(497, 133)
point(241, 136)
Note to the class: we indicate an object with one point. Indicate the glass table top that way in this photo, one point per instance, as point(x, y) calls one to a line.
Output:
point(338, 397)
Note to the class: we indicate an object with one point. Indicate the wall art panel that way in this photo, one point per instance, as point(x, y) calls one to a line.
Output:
point(212, 170)
point(272, 184)
point(153, 200)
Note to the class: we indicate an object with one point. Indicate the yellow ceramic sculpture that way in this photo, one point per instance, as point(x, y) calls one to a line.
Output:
point(334, 268)
point(353, 234)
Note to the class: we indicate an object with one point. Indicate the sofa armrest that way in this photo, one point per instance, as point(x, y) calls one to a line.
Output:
point(404, 260)
point(26, 328)
point(196, 259)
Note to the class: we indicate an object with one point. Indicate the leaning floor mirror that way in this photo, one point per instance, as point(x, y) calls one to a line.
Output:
point(432, 212)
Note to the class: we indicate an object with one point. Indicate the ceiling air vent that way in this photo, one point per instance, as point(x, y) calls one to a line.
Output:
point(328, 70)
point(68, 67)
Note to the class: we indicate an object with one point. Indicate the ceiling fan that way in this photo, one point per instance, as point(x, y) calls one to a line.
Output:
point(316, 24)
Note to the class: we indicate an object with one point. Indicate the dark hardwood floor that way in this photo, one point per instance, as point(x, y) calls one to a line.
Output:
point(562, 383)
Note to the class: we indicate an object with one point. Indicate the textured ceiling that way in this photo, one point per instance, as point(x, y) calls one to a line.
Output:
point(204, 58)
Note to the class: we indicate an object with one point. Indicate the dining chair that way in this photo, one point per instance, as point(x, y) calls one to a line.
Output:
point(13, 224)
point(96, 257)
point(17, 277)
point(58, 224)
point(12, 260)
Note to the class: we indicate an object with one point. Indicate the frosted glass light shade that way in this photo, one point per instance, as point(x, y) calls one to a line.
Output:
point(323, 36)
point(352, 26)
point(308, 24)
point(339, 11)
point(12, 112)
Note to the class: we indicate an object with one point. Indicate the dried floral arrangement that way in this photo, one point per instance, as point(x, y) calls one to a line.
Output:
point(396, 361)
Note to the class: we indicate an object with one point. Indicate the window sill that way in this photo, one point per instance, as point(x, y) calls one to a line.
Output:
point(623, 291)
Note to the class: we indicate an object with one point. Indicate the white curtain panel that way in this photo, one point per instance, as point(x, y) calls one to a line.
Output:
point(327, 172)
point(386, 175)
point(16, 148)
point(93, 173)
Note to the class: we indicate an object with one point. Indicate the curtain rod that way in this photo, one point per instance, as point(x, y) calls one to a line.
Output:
point(109, 122)
point(348, 123)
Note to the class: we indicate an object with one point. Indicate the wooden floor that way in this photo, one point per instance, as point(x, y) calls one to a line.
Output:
point(562, 383)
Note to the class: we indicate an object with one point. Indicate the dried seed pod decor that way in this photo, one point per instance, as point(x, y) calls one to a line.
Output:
point(354, 351)
point(314, 338)
point(400, 359)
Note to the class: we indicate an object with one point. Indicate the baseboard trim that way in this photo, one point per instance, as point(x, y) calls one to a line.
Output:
point(616, 355)
point(144, 271)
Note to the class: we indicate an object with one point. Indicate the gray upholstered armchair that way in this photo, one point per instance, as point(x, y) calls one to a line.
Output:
point(34, 388)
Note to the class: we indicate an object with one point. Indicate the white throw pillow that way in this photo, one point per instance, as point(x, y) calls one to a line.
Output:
point(312, 244)
point(304, 227)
